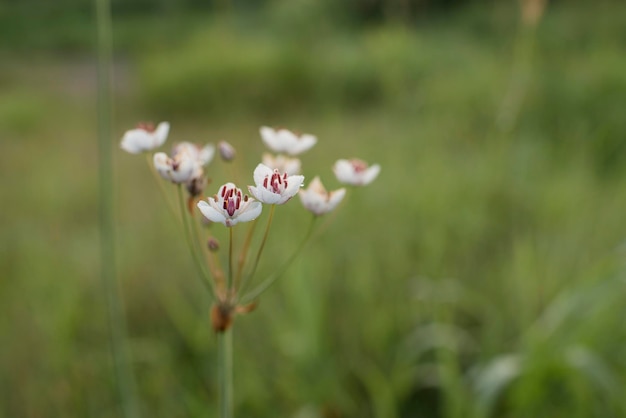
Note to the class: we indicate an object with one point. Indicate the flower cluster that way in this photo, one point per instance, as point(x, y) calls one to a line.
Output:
point(277, 179)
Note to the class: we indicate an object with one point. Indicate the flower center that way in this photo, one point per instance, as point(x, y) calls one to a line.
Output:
point(146, 126)
point(359, 165)
point(232, 199)
point(276, 183)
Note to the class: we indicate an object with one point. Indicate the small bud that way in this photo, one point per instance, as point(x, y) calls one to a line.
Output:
point(227, 152)
point(213, 245)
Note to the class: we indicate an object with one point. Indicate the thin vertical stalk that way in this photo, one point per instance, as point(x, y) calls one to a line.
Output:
point(230, 259)
point(124, 378)
point(225, 367)
point(258, 254)
point(187, 227)
point(244, 252)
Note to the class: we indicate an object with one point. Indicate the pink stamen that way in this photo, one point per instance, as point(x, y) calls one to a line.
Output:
point(146, 126)
point(358, 165)
point(231, 207)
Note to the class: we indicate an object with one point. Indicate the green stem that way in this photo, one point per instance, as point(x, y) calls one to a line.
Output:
point(244, 252)
point(204, 275)
point(225, 367)
point(273, 277)
point(230, 260)
point(124, 378)
point(258, 255)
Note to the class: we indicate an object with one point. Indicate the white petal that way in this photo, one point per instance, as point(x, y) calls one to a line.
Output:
point(286, 140)
point(185, 170)
point(253, 191)
point(269, 138)
point(344, 171)
point(336, 197)
point(312, 201)
point(264, 195)
point(291, 166)
point(136, 141)
point(268, 197)
point(304, 143)
point(316, 186)
point(206, 154)
point(370, 174)
point(210, 213)
point(160, 134)
point(293, 185)
point(260, 172)
point(252, 211)
point(162, 163)
point(269, 160)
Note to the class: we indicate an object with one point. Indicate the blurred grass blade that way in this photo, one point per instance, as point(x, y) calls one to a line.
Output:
point(493, 379)
point(124, 378)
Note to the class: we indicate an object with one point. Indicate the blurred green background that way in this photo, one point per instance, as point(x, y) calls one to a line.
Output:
point(481, 275)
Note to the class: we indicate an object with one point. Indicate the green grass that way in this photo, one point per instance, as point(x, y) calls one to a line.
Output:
point(482, 274)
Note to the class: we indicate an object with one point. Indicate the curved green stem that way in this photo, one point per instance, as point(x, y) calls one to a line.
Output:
point(196, 258)
point(255, 293)
point(225, 370)
point(258, 255)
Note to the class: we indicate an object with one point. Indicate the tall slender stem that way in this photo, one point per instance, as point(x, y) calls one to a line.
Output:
point(272, 278)
point(230, 259)
point(124, 377)
point(192, 248)
point(225, 369)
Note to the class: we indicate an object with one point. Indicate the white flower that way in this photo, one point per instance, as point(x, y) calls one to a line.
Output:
point(317, 200)
point(185, 164)
point(355, 172)
point(230, 207)
point(179, 169)
point(272, 187)
point(145, 137)
point(202, 156)
point(283, 140)
point(282, 163)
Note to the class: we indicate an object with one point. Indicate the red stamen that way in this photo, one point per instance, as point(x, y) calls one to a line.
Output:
point(146, 126)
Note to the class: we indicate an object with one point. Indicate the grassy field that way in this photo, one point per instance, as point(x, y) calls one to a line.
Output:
point(481, 275)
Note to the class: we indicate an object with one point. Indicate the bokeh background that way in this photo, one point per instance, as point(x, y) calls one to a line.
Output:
point(481, 275)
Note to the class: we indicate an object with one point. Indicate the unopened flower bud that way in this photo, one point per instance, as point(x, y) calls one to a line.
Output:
point(227, 152)
point(213, 244)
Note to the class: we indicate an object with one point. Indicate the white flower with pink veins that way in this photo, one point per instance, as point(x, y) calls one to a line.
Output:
point(316, 199)
point(283, 140)
point(145, 137)
point(272, 187)
point(355, 172)
point(229, 206)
